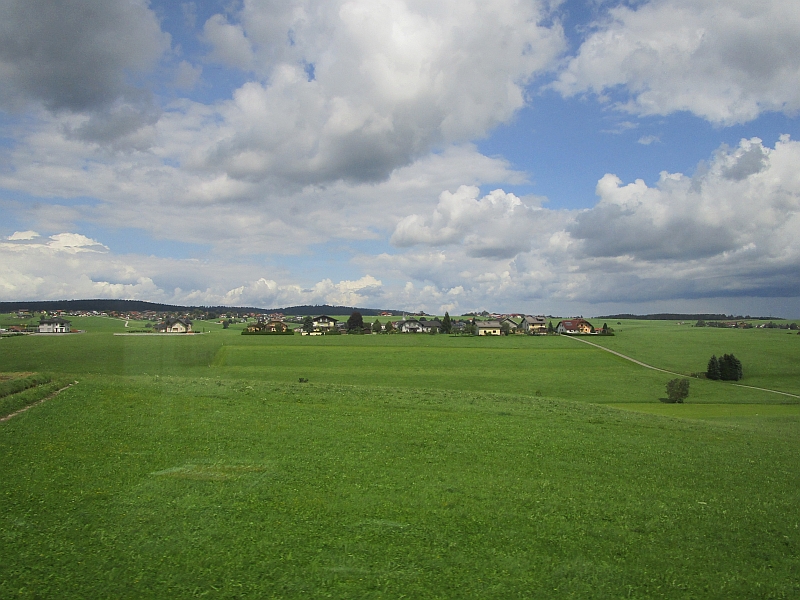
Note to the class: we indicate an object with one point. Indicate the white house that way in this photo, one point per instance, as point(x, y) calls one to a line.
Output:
point(54, 325)
point(409, 326)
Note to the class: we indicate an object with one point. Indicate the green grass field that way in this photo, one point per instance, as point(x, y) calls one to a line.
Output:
point(421, 467)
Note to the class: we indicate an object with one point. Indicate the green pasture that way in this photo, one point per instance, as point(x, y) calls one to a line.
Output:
point(162, 486)
point(408, 466)
point(771, 357)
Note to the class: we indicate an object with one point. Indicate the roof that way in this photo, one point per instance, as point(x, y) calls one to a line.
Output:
point(488, 324)
point(531, 320)
point(325, 317)
point(172, 320)
point(54, 321)
point(431, 323)
point(574, 323)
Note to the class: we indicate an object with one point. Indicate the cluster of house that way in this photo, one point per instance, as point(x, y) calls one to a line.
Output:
point(528, 324)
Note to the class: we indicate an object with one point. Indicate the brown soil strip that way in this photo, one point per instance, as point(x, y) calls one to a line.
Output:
point(37, 403)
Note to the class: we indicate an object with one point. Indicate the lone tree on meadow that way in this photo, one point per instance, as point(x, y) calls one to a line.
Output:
point(677, 390)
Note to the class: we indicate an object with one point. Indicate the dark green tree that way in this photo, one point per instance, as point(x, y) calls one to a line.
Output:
point(730, 368)
point(505, 328)
point(447, 324)
point(550, 328)
point(713, 371)
point(677, 390)
point(389, 327)
point(355, 322)
point(605, 327)
point(376, 326)
point(308, 324)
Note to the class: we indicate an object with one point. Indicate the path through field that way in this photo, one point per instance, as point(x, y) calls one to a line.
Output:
point(640, 363)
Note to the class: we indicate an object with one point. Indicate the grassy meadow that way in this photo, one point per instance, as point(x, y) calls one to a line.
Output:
point(408, 466)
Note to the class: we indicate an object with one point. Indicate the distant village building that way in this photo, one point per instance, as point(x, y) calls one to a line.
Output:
point(533, 325)
point(573, 326)
point(54, 325)
point(324, 323)
point(491, 327)
point(173, 325)
point(273, 326)
point(510, 323)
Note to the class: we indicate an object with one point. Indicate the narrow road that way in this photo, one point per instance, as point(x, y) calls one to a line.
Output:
point(640, 363)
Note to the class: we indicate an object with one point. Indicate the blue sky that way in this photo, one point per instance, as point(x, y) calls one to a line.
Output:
point(577, 157)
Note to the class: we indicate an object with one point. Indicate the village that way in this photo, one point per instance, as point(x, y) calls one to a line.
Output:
point(478, 324)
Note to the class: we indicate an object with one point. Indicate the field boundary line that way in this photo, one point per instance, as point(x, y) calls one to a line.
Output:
point(752, 387)
point(37, 403)
point(638, 362)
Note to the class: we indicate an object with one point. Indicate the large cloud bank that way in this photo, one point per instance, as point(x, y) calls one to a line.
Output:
point(728, 230)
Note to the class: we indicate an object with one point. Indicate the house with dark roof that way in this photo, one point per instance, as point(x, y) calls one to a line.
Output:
point(324, 323)
point(409, 326)
point(54, 325)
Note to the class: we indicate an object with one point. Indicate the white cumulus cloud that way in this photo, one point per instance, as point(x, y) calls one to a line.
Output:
point(726, 61)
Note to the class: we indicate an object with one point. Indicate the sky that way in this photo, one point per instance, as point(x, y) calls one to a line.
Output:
point(576, 157)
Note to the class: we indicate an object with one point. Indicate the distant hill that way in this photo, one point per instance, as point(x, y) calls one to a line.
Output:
point(686, 317)
point(103, 305)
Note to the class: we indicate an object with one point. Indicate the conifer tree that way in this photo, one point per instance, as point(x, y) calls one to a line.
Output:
point(447, 324)
point(713, 370)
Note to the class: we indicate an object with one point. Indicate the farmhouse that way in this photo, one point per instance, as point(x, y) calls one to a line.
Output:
point(173, 325)
point(573, 326)
point(487, 328)
point(54, 325)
